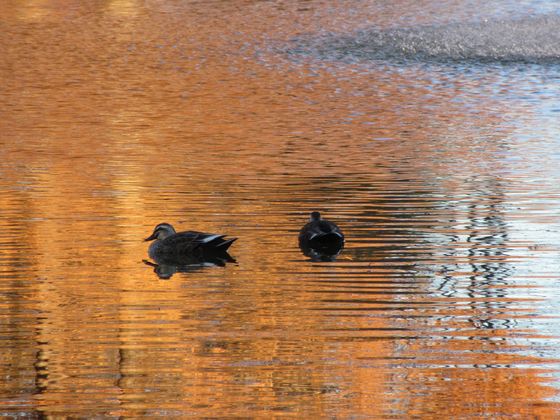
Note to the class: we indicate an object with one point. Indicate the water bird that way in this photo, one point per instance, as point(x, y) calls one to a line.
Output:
point(178, 248)
point(320, 237)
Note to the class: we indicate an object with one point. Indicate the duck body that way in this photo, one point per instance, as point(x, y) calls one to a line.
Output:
point(321, 235)
point(180, 247)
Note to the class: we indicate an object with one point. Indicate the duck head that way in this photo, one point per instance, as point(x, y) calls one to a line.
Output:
point(161, 231)
point(315, 216)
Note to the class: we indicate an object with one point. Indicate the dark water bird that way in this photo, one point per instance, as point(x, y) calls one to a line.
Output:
point(321, 239)
point(180, 248)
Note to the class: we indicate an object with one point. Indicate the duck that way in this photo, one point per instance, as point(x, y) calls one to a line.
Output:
point(169, 246)
point(321, 235)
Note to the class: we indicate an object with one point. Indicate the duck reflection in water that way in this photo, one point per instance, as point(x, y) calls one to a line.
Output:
point(186, 251)
point(166, 270)
point(320, 239)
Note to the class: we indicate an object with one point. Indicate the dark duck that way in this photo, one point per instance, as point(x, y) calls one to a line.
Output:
point(320, 237)
point(173, 247)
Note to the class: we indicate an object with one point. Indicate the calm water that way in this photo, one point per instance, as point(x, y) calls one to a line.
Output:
point(429, 131)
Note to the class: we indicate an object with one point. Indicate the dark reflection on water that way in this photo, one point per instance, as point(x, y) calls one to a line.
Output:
point(116, 114)
point(328, 254)
point(189, 263)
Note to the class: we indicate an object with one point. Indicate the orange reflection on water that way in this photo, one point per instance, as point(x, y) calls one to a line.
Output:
point(121, 115)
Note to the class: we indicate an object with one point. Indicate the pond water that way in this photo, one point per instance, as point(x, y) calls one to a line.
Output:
point(428, 131)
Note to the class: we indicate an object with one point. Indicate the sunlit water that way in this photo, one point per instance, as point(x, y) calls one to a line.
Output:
point(429, 131)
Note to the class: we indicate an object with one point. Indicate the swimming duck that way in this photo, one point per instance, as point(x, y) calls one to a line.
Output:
point(321, 235)
point(170, 246)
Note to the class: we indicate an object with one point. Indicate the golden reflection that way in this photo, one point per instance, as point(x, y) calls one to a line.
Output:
point(123, 8)
point(416, 317)
point(34, 10)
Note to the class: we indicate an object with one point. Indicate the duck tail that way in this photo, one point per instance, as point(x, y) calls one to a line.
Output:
point(224, 245)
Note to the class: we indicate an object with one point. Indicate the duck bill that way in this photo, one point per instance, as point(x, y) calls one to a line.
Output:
point(151, 237)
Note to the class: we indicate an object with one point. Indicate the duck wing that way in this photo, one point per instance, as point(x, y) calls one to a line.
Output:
point(321, 229)
point(189, 241)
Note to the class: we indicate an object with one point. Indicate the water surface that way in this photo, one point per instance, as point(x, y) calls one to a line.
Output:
point(426, 130)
